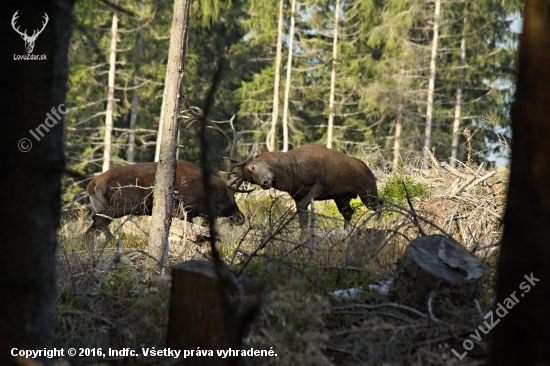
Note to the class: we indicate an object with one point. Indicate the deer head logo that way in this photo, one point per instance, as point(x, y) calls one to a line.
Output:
point(29, 40)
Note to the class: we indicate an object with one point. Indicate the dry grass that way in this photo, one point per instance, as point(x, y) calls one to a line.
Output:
point(109, 298)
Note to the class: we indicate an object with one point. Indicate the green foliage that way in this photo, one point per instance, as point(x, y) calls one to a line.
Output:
point(381, 74)
point(397, 187)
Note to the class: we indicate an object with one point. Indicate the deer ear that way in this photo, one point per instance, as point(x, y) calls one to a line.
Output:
point(254, 150)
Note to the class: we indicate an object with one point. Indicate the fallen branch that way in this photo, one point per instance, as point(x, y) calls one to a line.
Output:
point(452, 170)
point(481, 179)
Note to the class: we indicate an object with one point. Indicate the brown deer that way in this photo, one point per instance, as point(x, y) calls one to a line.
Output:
point(128, 190)
point(310, 172)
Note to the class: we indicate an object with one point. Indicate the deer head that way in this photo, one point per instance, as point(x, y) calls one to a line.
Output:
point(195, 114)
point(29, 40)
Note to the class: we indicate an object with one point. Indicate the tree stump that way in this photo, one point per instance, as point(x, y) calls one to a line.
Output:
point(199, 318)
point(438, 267)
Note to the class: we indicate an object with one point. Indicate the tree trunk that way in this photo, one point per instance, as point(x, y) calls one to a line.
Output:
point(159, 133)
point(456, 123)
point(110, 95)
point(164, 178)
point(431, 86)
point(31, 174)
point(288, 74)
point(271, 136)
point(397, 140)
point(135, 96)
point(333, 75)
point(522, 336)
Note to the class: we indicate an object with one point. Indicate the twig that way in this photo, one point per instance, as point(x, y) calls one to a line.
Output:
point(451, 221)
point(420, 229)
point(436, 164)
point(461, 188)
point(377, 306)
point(265, 242)
point(486, 246)
point(481, 179)
point(430, 302)
point(86, 314)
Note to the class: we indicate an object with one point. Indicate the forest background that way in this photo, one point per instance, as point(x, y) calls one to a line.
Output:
point(392, 77)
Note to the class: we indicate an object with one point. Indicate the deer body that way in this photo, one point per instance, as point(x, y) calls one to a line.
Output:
point(311, 172)
point(318, 173)
point(128, 190)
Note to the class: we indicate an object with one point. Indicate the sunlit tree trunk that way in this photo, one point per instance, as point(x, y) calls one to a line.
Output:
point(397, 140)
point(135, 96)
point(159, 133)
point(271, 136)
point(458, 105)
point(333, 75)
point(164, 178)
point(288, 76)
point(431, 86)
point(110, 95)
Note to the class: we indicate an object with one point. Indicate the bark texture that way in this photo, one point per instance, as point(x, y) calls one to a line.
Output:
point(523, 335)
point(166, 170)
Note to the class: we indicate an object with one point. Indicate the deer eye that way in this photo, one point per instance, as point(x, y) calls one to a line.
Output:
point(252, 168)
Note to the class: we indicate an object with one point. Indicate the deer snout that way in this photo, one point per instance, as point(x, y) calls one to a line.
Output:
point(237, 219)
point(265, 184)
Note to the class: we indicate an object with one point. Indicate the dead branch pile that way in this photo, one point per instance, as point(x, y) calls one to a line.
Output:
point(469, 204)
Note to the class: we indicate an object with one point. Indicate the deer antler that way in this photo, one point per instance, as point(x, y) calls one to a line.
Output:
point(13, 19)
point(24, 34)
point(235, 160)
point(37, 33)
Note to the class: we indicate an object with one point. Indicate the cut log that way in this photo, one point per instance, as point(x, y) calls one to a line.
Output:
point(438, 267)
point(199, 317)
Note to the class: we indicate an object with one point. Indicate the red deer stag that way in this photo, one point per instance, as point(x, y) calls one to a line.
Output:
point(127, 190)
point(310, 172)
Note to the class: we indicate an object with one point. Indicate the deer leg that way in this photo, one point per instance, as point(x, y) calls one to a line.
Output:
point(302, 214)
point(316, 191)
point(100, 223)
point(345, 209)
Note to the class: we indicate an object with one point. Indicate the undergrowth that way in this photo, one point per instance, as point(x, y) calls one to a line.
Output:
point(109, 296)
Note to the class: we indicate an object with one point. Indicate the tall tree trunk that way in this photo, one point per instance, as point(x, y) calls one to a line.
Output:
point(288, 74)
point(30, 186)
point(456, 122)
point(271, 136)
point(522, 336)
point(110, 95)
point(397, 140)
point(399, 120)
point(333, 75)
point(431, 86)
point(166, 170)
point(159, 133)
point(135, 96)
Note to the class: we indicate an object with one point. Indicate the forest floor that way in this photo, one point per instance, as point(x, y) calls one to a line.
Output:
point(324, 294)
